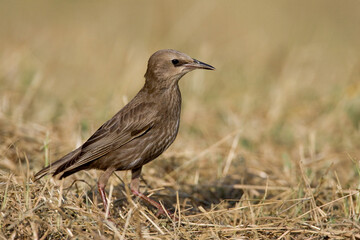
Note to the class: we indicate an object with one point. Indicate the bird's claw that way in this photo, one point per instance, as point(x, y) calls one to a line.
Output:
point(167, 213)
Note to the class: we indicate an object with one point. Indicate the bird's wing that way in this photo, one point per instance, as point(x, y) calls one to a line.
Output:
point(119, 130)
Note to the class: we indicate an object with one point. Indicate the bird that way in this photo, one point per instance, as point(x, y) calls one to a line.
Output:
point(141, 131)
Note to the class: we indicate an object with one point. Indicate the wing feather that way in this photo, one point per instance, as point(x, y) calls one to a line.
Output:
point(115, 133)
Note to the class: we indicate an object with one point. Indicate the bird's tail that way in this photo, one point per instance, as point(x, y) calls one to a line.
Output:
point(59, 165)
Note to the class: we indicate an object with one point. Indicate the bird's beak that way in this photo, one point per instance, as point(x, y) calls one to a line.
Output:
point(200, 65)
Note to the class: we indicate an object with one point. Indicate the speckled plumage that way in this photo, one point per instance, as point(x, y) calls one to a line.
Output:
point(140, 131)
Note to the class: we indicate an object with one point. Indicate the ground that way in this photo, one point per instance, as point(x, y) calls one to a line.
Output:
point(269, 143)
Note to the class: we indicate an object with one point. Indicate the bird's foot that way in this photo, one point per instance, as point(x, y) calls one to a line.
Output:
point(162, 211)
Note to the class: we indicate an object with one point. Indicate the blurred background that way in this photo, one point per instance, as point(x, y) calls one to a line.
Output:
point(286, 86)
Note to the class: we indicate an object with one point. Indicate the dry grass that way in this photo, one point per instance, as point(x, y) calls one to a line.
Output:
point(269, 143)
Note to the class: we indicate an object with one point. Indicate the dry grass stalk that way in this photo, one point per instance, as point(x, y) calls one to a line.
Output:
point(268, 146)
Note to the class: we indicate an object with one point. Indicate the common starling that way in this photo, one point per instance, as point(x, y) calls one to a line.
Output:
point(139, 132)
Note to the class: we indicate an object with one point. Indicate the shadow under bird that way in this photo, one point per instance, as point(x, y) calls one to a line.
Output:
point(139, 132)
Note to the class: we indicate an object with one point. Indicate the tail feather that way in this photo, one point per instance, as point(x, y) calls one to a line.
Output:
point(59, 165)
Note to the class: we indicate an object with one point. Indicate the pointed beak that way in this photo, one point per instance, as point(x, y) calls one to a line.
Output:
point(196, 64)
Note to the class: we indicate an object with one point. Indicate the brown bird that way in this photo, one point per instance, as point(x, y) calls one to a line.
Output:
point(139, 132)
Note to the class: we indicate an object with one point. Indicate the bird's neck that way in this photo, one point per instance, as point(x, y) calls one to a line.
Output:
point(161, 86)
point(168, 94)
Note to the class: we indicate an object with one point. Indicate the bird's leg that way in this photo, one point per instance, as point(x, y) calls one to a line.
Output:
point(134, 186)
point(102, 184)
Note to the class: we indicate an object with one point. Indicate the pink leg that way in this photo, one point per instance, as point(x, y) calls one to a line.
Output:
point(102, 184)
point(134, 186)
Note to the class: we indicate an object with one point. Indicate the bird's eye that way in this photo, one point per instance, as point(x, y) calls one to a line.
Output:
point(175, 61)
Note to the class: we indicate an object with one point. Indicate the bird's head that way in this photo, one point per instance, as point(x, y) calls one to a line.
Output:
point(168, 66)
